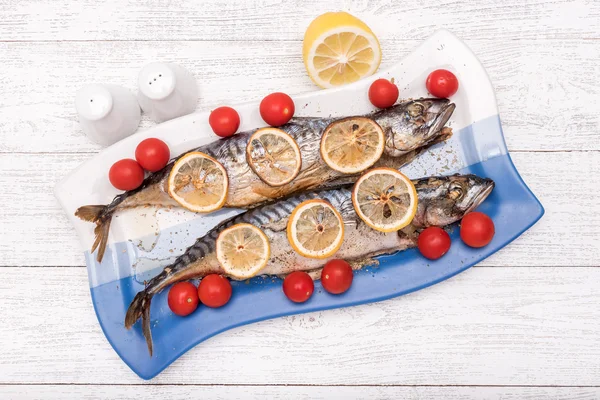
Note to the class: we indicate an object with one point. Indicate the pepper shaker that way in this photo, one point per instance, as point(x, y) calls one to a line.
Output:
point(107, 113)
point(166, 91)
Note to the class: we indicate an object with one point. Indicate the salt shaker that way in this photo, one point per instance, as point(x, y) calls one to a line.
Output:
point(107, 113)
point(166, 91)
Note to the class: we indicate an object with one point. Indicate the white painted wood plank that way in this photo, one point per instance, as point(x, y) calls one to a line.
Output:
point(124, 392)
point(287, 20)
point(36, 232)
point(549, 108)
point(487, 326)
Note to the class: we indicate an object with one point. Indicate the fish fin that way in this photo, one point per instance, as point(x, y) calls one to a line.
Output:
point(140, 308)
point(365, 262)
point(356, 265)
point(146, 326)
point(96, 213)
point(315, 274)
point(90, 213)
point(101, 236)
point(445, 134)
point(270, 193)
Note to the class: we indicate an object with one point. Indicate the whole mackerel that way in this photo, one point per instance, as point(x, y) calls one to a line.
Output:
point(442, 201)
point(410, 127)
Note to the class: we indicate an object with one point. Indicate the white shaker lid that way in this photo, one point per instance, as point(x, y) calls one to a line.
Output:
point(156, 81)
point(93, 102)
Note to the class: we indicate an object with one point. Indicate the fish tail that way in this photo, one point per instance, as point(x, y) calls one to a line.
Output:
point(90, 213)
point(97, 214)
point(140, 308)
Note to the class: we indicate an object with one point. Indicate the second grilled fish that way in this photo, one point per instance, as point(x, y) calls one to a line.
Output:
point(442, 201)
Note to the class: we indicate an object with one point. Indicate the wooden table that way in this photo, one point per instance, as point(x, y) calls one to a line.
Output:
point(523, 324)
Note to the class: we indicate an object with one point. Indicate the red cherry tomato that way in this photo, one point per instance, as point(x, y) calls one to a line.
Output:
point(442, 83)
point(383, 93)
point(337, 276)
point(126, 174)
point(183, 298)
point(214, 290)
point(477, 229)
point(277, 109)
point(434, 242)
point(152, 154)
point(298, 286)
point(224, 121)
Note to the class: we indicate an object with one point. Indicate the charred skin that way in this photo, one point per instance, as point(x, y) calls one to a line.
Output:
point(410, 128)
point(442, 201)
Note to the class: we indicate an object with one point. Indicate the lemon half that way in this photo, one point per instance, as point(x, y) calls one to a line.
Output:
point(339, 48)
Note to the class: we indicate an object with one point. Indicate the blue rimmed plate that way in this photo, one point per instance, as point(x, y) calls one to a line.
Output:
point(142, 241)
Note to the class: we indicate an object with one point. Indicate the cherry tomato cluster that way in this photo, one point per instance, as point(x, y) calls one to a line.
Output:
point(336, 278)
point(476, 230)
point(440, 83)
point(213, 291)
point(151, 155)
point(275, 109)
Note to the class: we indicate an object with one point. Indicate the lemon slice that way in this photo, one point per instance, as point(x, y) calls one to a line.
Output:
point(385, 199)
point(198, 182)
point(339, 48)
point(315, 229)
point(351, 145)
point(274, 156)
point(243, 250)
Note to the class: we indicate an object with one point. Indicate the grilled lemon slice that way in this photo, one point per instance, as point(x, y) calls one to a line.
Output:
point(352, 145)
point(385, 199)
point(315, 229)
point(198, 182)
point(274, 156)
point(243, 250)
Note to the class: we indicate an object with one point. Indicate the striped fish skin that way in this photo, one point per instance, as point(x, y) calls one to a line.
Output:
point(442, 201)
point(410, 128)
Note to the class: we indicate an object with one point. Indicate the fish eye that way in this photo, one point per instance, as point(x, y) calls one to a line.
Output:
point(415, 109)
point(455, 192)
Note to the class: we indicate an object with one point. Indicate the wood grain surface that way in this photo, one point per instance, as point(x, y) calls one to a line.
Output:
point(499, 326)
point(524, 324)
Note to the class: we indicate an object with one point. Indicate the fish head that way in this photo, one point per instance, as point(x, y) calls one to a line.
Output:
point(415, 123)
point(446, 199)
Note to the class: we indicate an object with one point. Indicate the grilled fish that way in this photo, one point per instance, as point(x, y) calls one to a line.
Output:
point(442, 201)
point(409, 127)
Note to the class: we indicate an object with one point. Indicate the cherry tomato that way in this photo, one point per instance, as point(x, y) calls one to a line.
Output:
point(298, 286)
point(152, 154)
point(224, 121)
point(337, 276)
point(126, 174)
point(442, 83)
point(214, 291)
point(277, 109)
point(383, 93)
point(434, 242)
point(477, 229)
point(183, 298)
